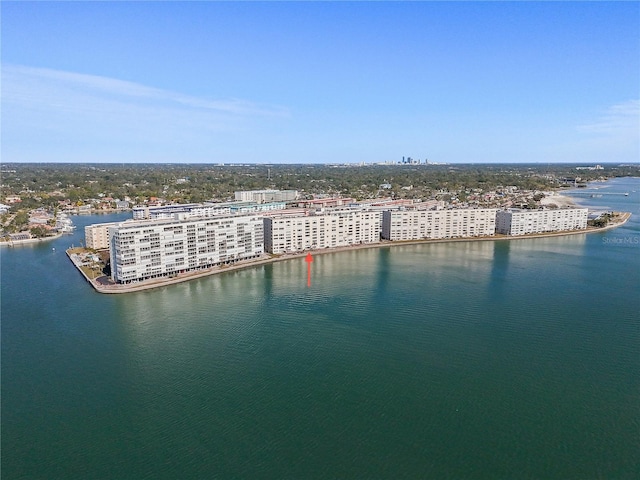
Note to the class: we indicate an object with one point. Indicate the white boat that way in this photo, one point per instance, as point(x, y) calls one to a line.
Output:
point(64, 223)
point(67, 228)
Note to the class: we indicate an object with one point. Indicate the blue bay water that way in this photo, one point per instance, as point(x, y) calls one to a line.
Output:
point(498, 359)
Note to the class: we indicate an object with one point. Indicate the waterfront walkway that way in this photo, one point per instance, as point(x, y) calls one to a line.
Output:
point(104, 284)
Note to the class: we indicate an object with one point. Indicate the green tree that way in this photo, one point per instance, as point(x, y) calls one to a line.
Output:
point(21, 220)
point(38, 232)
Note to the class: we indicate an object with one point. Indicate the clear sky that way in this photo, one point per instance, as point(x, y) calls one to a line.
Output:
point(320, 82)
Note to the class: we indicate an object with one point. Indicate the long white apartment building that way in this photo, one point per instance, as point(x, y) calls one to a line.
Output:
point(146, 249)
point(418, 224)
point(207, 209)
point(522, 222)
point(264, 196)
point(294, 233)
point(250, 207)
point(186, 210)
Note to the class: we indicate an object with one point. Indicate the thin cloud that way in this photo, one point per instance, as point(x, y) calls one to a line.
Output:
point(620, 119)
point(29, 84)
point(60, 114)
point(613, 137)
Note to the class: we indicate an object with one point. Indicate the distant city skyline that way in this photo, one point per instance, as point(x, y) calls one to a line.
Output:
point(320, 82)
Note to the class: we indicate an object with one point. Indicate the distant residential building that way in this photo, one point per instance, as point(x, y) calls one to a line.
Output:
point(39, 219)
point(597, 167)
point(122, 204)
point(195, 210)
point(184, 210)
point(39, 216)
point(141, 250)
point(330, 202)
point(19, 236)
point(13, 199)
point(433, 224)
point(522, 222)
point(142, 212)
point(387, 203)
point(249, 207)
point(294, 233)
point(264, 196)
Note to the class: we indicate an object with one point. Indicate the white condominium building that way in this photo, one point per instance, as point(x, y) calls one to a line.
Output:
point(184, 210)
point(264, 196)
point(294, 233)
point(249, 207)
point(522, 222)
point(419, 224)
point(146, 249)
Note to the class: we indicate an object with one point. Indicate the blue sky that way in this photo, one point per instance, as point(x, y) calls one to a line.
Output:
point(320, 82)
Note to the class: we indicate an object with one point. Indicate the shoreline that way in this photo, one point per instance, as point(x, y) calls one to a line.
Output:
point(269, 258)
point(28, 241)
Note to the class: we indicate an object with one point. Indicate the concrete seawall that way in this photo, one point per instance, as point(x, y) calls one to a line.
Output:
point(29, 241)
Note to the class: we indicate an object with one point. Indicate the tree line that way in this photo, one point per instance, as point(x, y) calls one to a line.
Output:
point(46, 184)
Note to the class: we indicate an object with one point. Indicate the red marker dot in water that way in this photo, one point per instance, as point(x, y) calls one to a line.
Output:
point(308, 259)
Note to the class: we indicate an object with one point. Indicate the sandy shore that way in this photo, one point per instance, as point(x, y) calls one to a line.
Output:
point(561, 201)
point(267, 258)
